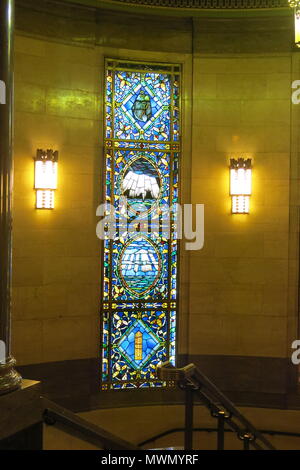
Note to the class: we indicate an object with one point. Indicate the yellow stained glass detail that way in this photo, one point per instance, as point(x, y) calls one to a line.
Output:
point(138, 346)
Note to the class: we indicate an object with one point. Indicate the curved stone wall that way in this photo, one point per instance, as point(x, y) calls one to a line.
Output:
point(239, 311)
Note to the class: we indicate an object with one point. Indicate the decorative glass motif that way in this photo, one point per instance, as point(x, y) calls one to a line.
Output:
point(144, 178)
point(142, 148)
point(141, 184)
point(142, 106)
point(139, 266)
point(138, 344)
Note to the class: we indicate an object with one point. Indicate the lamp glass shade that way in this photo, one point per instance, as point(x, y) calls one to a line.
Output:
point(240, 204)
point(240, 181)
point(45, 174)
point(45, 199)
point(297, 26)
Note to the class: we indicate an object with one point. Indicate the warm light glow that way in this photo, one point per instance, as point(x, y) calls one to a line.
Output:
point(240, 185)
point(45, 178)
point(240, 181)
point(240, 204)
point(45, 199)
point(45, 175)
point(296, 5)
point(297, 27)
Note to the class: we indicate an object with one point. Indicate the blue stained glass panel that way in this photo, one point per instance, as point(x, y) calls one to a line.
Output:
point(136, 284)
point(150, 344)
point(154, 328)
point(142, 106)
point(139, 266)
point(142, 148)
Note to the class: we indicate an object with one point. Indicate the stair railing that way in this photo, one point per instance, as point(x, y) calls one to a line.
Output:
point(194, 382)
point(69, 422)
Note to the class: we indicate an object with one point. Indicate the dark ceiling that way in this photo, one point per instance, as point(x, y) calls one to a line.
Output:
point(207, 4)
point(186, 5)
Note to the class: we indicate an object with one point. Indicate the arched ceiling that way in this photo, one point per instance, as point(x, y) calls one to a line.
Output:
point(206, 4)
point(207, 8)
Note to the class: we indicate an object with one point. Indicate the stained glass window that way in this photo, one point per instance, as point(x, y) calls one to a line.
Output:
point(140, 294)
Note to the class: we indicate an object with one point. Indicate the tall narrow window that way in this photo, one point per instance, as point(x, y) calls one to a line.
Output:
point(142, 149)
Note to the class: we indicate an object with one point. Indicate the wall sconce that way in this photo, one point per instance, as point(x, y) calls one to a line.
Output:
point(296, 5)
point(45, 178)
point(240, 185)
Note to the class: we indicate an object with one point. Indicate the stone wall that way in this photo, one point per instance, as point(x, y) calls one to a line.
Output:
point(238, 294)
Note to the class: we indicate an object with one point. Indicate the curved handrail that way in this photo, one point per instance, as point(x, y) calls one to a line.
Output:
point(214, 430)
point(192, 378)
point(55, 415)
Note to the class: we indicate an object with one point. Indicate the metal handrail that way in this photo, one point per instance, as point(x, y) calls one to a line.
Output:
point(55, 415)
point(194, 381)
point(209, 430)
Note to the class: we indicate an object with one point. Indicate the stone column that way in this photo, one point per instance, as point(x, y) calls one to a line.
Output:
point(9, 379)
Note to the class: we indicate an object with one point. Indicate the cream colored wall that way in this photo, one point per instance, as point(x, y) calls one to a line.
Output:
point(56, 254)
point(56, 264)
point(147, 422)
point(239, 281)
point(55, 439)
point(238, 294)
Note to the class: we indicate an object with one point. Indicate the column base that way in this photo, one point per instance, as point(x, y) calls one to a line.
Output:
point(10, 379)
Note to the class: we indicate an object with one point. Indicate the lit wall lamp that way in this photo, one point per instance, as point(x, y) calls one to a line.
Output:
point(45, 178)
point(296, 5)
point(240, 185)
